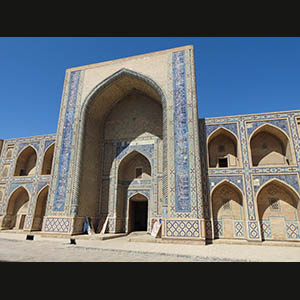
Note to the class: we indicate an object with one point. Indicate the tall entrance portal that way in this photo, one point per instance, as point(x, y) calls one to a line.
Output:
point(122, 133)
point(145, 104)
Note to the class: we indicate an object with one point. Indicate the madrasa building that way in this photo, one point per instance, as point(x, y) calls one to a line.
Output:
point(130, 149)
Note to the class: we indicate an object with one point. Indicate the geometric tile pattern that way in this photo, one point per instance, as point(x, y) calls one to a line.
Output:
point(292, 230)
point(53, 224)
point(182, 228)
point(237, 180)
point(291, 179)
point(218, 228)
point(239, 231)
point(253, 230)
point(181, 146)
point(65, 149)
point(266, 229)
point(231, 127)
point(278, 123)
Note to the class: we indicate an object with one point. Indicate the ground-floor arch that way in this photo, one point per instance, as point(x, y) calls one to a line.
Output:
point(227, 211)
point(40, 208)
point(278, 211)
point(17, 209)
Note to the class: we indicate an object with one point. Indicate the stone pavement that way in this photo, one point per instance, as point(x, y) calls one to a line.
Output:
point(15, 247)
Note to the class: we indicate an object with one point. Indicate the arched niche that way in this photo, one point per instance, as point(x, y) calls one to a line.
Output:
point(223, 149)
point(101, 130)
point(134, 169)
point(227, 206)
point(270, 146)
point(277, 204)
point(26, 162)
point(17, 208)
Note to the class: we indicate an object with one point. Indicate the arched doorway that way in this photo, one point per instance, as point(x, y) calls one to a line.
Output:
point(278, 208)
point(26, 162)
point(138, 213)
point(17, 209)
point(227, 211)
point(40, 208)
point(270, 146)
point(134, 171)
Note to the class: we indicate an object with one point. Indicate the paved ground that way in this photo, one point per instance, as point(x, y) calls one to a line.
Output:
point(15, 247)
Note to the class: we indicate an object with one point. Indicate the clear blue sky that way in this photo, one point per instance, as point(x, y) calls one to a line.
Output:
point(233, 75)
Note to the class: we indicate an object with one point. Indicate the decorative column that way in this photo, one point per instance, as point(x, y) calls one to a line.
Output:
point(184, 189)
point(252, 222)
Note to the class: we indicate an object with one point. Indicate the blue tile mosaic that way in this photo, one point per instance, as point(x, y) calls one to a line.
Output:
point(24, 145)
point(282, 124)
point(291, 179)
point(41, 185)
point(65, 151)
point(237, 180)
point(48, 143)
point(182, 228)
point(181, 144)
point(266, 231)
point(253, 230)
point(123, 150)
point(292, 230)
point(239, 231)
point(231, 127)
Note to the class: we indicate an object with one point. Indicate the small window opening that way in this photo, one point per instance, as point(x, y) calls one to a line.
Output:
point(22, 172)
point(138, 173)
point(223, 163)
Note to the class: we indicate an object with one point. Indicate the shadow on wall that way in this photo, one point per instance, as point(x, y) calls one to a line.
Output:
point(204, 175)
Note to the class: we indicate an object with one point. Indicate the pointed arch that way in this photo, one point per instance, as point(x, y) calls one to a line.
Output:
point(270, 145)
point(40, 208)
point(222, 129)
point(138, 193)
point(155, 90)
point(227, 207)
point(48, 160)
point(278, 206)
point(223, 148)
point(229, 183)
point(17, 207)
point(132, 153)
point(95, 109)
point(26, 162)
point(280, 183)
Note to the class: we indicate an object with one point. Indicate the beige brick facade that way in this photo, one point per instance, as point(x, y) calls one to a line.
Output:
point(130, 148)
